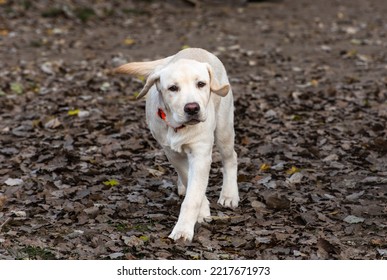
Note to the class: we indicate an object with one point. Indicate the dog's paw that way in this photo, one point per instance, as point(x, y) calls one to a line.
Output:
point(181, 233)
point(230, 201)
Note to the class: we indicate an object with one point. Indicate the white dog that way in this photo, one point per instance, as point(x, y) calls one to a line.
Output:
point(188, 108)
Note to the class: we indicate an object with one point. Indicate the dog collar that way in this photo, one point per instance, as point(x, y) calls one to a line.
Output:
point(163, 116)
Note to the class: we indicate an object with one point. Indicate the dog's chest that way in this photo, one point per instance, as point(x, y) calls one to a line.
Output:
point(175, 140)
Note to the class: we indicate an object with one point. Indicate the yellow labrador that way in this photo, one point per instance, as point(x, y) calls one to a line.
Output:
point(188, 108)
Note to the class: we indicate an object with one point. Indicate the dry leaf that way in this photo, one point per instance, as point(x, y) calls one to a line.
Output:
point(353, 219)
point(292, 170)
point(264, 167)
point(129, 41)
point(13, 182)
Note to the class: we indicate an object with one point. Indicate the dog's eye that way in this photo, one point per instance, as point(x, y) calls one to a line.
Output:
point(173, 88)
point(201, 84)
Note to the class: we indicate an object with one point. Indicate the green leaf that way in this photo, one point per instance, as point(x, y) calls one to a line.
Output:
point(111, 183)
point(73, 112)
point(17, 88)
point(144, 238)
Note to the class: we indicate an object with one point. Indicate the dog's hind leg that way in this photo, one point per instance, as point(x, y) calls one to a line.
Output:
point(224, 139)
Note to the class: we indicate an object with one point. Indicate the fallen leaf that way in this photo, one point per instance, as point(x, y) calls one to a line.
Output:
point(258, 206)
point(13, 182)
point(354, 196)
point(156, 173)
point(297, 253)
point(314, 82)
point(277, 202)
point(83, 114)
point(132, 241)
point(279, 166)
point(129, 41)
point(292, 170)
point(47, 67)
point(19, 213)
point(327, 246)
point(17, 88)
point(111, 183)
point(75, 233)
point(356, 42)
point(332, 157)
point(105, 86)
point(3, 199)
point(73, 112)
point(3, 32)
point(245, 141)
point(264, 180)
point(116, 255)
point(53, 123)
point(382, 252)
point(264, 167)
point(353, 219)
point(378, 242)
point(296, 178)
point(144, 238)
point(351, 53)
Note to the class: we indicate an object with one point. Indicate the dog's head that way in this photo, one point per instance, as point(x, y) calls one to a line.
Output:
point(185, 86)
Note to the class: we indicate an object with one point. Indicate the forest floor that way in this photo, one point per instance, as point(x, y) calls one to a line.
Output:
point(82, 178)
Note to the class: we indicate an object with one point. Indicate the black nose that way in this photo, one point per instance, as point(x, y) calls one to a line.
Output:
point(192, 108)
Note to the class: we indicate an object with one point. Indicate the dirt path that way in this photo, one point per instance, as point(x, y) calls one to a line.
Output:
point(82, 178)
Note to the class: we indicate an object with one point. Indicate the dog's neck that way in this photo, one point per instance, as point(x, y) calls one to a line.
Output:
point(163, 116)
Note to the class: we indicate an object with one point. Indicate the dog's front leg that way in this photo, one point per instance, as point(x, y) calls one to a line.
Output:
point(199, 160)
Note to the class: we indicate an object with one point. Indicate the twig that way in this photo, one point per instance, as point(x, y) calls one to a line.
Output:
point(6, 222)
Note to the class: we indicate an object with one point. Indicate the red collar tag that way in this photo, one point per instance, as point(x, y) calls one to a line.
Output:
point(163, 116)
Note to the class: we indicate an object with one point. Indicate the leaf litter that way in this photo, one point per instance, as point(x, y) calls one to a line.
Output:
point(82, 178)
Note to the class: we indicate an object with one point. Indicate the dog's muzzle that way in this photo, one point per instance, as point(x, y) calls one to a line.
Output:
point(192, 111)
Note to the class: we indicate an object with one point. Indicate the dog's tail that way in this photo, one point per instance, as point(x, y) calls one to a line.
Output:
point(142, 68)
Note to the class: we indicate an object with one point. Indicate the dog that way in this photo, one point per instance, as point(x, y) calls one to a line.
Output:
point(190, 107)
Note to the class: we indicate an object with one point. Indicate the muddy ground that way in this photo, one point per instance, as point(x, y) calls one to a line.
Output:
point(82, 178)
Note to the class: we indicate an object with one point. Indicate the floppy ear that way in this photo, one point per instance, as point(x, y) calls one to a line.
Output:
point(148, 84)
point(215, 86)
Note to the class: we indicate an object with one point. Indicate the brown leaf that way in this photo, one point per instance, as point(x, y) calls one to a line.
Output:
point(277, 201)
point(327, 246)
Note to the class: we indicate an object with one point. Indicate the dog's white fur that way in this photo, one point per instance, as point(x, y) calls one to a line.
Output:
point(189, 148)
